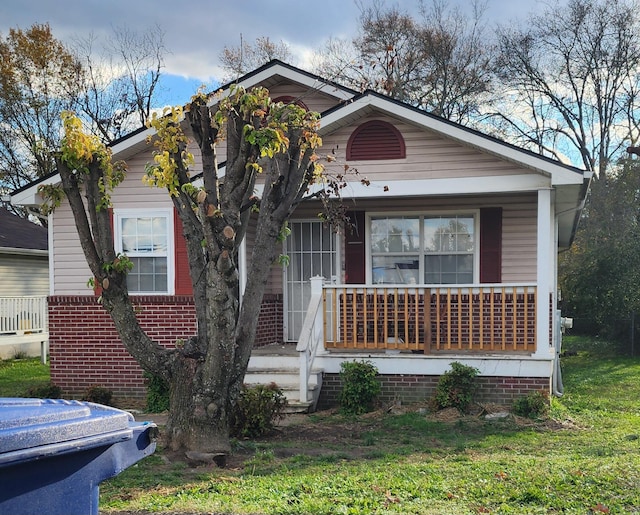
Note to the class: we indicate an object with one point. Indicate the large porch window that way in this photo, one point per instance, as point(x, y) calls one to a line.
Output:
point(423, 249)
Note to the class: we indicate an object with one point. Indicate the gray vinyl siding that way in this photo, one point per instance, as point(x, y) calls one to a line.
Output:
point(23, 275)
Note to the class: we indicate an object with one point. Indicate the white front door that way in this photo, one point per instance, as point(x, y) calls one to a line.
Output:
point(311, 248)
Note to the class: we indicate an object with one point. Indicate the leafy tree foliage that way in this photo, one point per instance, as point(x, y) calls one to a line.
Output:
point(600, 274)
point(37, 82)
point(441, 63)
point(275, 141)
point(571, 81)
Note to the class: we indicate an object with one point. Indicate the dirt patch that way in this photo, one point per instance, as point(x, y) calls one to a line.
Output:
point(326, 435)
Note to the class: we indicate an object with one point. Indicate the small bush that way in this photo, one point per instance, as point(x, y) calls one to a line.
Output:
point(157, 394)
point(532, 405)
point(47, 391)
point(456, 387)
point(360, 387)
point(258, 409)
point(99, 395)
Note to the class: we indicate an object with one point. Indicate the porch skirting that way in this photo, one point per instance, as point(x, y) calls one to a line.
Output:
point(420, 388)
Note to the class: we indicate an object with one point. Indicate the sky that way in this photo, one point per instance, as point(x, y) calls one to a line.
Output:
point(196, 31)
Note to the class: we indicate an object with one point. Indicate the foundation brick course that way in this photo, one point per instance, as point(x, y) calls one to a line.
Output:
point(412, 388)
point(85, 349)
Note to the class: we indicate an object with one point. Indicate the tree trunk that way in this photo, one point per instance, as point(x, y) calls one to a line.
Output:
point(196, 423)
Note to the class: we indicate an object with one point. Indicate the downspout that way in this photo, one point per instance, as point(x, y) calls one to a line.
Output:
point(557, 386)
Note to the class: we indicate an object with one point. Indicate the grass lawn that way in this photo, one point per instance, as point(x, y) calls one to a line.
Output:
point(585, 458)
point(18, 376)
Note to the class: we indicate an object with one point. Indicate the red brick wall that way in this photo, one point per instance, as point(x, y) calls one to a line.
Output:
point(271, 321)
point(411, 388)
point(85, 349)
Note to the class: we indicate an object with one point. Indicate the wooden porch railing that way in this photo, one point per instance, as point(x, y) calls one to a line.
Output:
point(461, 318)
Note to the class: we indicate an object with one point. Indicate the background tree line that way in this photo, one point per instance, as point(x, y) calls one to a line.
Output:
point(562, 83)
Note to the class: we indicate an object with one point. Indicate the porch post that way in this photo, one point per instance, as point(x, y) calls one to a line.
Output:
point(545, 270)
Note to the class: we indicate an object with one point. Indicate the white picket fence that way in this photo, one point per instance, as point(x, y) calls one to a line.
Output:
point(24, 320)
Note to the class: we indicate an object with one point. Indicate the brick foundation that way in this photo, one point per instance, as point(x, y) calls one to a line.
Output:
point(411, 389)
point(85, 349)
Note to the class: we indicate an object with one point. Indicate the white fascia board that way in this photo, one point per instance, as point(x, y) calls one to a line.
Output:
point(429, 187)
point(489, 365)
point(30, 196)
point(131, 142)
point(558, 173)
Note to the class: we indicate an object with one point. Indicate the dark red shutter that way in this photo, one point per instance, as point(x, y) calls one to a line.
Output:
point(491, 245)
point(183, 279)
point(354, 253)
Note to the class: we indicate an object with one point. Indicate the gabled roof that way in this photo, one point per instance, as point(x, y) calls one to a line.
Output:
point(352, 106)
point(371, 103)
point(269, 75)
point(275, 72)
point(18, 234)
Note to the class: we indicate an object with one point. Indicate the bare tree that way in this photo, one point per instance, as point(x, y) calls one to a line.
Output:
point(571, 78)
point(441, 62)
point(119, 84)
point(237, 61)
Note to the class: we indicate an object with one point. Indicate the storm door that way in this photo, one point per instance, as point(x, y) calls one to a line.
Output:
point(311, 248)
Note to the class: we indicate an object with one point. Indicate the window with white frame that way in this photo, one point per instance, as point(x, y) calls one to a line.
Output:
point(429, 249)
point(146, 237)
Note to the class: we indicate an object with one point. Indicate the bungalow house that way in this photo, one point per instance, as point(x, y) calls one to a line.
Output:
point(453, 257)
point(24, 286)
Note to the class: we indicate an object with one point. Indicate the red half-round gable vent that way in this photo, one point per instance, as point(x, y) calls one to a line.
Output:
point(375, 139)
point(288, 99)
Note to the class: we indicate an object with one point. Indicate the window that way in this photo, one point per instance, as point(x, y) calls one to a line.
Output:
point(429, 249)
point(146, 237)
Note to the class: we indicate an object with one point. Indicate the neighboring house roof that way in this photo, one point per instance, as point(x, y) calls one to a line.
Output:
point(20, 236)
point(570, 183)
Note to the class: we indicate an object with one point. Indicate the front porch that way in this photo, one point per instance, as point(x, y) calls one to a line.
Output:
point(494, 328)
point(424, 319)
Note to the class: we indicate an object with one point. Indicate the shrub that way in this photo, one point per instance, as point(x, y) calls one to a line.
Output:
point(99, 395)
point(258, 408)
point(360, 387)
point(157, 394)
point(456, 387)
point(47, 391)
point(532, 405)
point(20, 354)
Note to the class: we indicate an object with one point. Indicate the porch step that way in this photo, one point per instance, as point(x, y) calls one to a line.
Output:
point(288, 380)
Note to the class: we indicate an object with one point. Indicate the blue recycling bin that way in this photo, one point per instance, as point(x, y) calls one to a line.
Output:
point(55, 453)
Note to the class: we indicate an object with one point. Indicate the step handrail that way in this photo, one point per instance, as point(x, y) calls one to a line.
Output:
point(311, 336)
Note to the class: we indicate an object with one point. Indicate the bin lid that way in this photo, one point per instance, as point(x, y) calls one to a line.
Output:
point(28, 426)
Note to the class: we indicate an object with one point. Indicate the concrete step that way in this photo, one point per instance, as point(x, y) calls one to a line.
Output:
point(288, 380)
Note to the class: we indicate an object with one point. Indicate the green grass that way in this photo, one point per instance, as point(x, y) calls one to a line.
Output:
point(18, 376)
point(584, 459)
